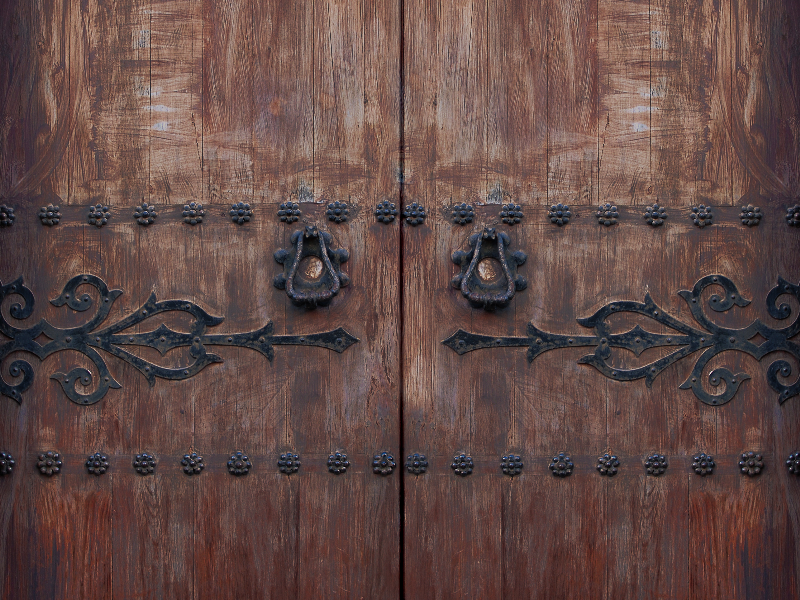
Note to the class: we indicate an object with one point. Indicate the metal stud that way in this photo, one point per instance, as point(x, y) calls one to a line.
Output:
point(561, 465)
point(511, 464)
point(655, 215)
point(607, 214)
point(239, 463)
point(240, 213)
point(144, 463)
point(416, 463)
point(462, 464)
point(192, 463)
point(701, 215)
point(511, 214)
point(463, 213)
point(337, 212)
point(703, 464)
point(793, 463)
point(49, 463)
point(193, 213)
point(656, 464)
point(751, 464)
point(6, 463)
point(99, 215)
point(383, 464)
point(607, 465)
point(288, 463)
point(559, 214)
point(50, 215)
point(7, 215)
point(414, 214)
point(385, 211)
point(145, 214)
point(338, 463)
point(97, 463)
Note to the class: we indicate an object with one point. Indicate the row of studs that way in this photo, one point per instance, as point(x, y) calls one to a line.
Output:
point(50, 463)
point(386, 212)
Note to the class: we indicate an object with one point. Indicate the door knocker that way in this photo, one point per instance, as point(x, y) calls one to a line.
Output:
point(488, 277)
point(312, 273)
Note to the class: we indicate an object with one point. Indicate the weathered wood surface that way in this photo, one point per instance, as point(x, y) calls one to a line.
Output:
point(629, 102)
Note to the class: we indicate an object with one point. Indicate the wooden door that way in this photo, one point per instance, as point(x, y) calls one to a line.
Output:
point(276, 104)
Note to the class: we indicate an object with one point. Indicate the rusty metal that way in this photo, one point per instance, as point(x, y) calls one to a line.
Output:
point(6, 463)
point(489, 294)
point(383, 464)
point(239, 463)
point(712, 339)
point(310, 292)
point(561, 465)
point(751, 464)
point(97, 464)
point(656, 464)
point(703, 464)
point(49, 463)
point(89, 339)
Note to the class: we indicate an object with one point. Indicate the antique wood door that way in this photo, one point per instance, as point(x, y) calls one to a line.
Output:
point(469, 300)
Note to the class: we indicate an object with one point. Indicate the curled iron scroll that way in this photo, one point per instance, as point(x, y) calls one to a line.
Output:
point(687, 339)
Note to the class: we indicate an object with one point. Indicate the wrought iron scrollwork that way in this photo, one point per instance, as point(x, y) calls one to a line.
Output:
point(90, 338)
point(320, 288)
point(710, 338)
point(493, 288)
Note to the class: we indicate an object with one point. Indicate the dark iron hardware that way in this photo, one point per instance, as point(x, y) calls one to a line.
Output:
point(712, 339)
point(511, 214)
point(88, 339)
point(703, 464)
point(7, 463)
point(751, 215)
point(337, 212)
point(484, 285)
point(144, 463)
point(511, 464)
point(463, 213)
point(240, 213)
point(7, 215)
point(608, 465)
point(145, 214)
point(416, 463)
point(792, 463)
point(239, 463)
point(656, 464)
point(751, 464)
point(289, 463)
point(49, 463)
point(383, 464)
point(701, 215)
point(607, 214)
point(414, 214)
point(338, 463)
point(97, 463)
point(193, 463)
point(559, 214)
point(385, 211)
point(193, 213)
point(50, 215)
point(655, 215)
point(462, 464)
point(323, 279)
point(793, 215)
point(99, 215)
point(289, 212)
point(561, 465)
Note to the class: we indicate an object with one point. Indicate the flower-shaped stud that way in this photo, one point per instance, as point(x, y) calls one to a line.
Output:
point(6, 463)
point(607, 214)
point(703, 464)
point(511, 464)
point(193, 213)
point(793, 215)
point(240, 212)
point(792, 463)
point(337, 212)
point(338, 463)
point(50, 215)
point(385, 211)
point(7, 215)
point(192, 463)
point(463, 213)
point(750, 215)
point(511, 214)
point(49, 463)
point(414, 214)
point(656, 464)
point(239, 463)
point(383, 464)
point(99, 215)
point(416, 463)
point(145, 214)
point(655, 215)
point(561, 465)
point(462, 464)
point(559, 214)
point(144, 463)
point(288, 463)
point(289, 212)
point(97, 463)
point(701, 215)
point(751, 463)
point(607, 465)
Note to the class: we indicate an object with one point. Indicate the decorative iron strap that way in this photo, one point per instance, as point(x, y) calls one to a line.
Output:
point(711, 339)
point(88, 339)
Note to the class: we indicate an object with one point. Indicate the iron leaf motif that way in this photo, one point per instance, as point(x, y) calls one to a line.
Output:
point(709, 338)
point(90, 338)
